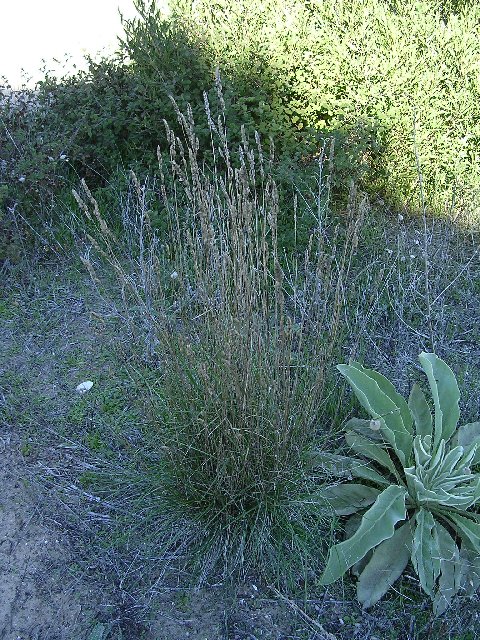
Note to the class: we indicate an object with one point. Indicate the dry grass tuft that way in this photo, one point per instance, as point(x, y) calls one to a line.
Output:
point(244, 338)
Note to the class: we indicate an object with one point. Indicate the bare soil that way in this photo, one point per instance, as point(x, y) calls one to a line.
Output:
point(40, 596)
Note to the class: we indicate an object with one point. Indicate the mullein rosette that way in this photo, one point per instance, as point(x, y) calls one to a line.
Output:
point(417, 493)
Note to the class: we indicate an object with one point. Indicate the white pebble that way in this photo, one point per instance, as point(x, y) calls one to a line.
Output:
point(83, 387)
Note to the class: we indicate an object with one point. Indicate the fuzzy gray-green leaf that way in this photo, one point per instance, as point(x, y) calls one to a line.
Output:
point(365, 428)
point(346, 499)
point(466, 435)
point(351, 526)
point(425, 551)
point(420, 411)
point(450, 570)
point(386, 565)
point(378, 524)
point(468, 529)
point(389, 390)
point(345, 467)
point(381, 407)
point(364, 471)
point(445, 395)
point(331, 463)
point(370, 450)
point(470, 569)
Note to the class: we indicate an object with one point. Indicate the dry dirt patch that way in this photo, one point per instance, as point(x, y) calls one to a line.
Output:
point(40, 599)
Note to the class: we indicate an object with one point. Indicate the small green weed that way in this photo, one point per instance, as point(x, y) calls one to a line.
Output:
point(26, 449)
point(95, 442)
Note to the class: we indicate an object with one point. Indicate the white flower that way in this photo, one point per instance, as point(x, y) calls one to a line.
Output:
point(21, 179)
point(400, 217)
point(83, 387)
point(63, 157)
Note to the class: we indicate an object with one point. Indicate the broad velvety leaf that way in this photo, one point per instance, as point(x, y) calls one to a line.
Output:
point(453, 457)
point(468, 529)
point(346, 499)
point(425, 551)
point(421, 451)
point(450, 571)
point(368, 428)
point(420, 411)
point(470, 569)
point(345, 467)
point(364, 471)
point(331, 463)
point(445, 395)
point(389, 390)
point(351, 526)
point(371, 450)
point(381, 407)
point(386, 565)
point(378, 524)
point(466, 435)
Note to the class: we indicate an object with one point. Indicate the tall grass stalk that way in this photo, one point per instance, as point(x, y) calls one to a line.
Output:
point(244, 338)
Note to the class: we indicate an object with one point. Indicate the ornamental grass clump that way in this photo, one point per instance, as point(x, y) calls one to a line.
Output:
point(242, 337)
point(418, 493)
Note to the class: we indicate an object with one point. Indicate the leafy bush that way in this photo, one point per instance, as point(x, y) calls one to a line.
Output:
point(419, 472)
point(394, 84)
point(364, 71)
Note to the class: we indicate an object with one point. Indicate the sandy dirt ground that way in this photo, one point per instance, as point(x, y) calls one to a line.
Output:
point(40, 598)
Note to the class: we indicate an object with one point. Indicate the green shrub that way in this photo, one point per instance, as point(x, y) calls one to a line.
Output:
point(364, 71)
point(395, 85)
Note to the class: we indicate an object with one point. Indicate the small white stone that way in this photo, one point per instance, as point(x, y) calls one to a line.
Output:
point(83, 387)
